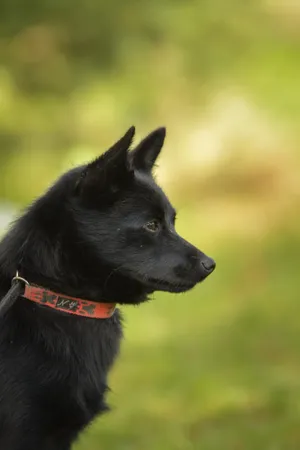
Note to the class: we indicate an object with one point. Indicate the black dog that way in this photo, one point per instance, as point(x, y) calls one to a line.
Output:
point(103, 234)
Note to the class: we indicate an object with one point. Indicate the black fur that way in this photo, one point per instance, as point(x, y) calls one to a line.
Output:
point(104, 232)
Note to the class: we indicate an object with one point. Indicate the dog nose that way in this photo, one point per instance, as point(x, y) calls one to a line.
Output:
point(208, 264)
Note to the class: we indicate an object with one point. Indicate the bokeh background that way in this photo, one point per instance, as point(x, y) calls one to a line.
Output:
point(217, 368)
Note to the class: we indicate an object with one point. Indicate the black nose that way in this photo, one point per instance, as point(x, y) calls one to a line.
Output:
point(208, 264)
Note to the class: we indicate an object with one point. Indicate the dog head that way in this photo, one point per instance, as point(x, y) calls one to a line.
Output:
point(129, 223)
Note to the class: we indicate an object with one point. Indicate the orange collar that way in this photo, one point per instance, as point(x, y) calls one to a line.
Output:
point(70, 305)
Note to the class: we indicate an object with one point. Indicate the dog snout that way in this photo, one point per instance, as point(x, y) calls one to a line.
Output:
point(203, 265)
point(208, 264)
point(194, 265)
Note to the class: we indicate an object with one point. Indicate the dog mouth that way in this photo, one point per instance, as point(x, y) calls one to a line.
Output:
point(164, 285)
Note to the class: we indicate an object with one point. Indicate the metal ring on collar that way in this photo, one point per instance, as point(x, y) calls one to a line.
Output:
point(18, 278)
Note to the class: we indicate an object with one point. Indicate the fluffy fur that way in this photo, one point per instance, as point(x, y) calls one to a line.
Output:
point(103, 232)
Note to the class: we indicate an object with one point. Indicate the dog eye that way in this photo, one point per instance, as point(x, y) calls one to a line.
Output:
point(153, 226)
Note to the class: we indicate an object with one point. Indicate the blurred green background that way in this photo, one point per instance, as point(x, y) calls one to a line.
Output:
point(217, 368)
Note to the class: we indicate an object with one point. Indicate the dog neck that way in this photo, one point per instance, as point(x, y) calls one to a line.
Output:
point(48, 257)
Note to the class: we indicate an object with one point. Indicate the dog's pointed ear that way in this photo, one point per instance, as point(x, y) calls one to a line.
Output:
point(110, 170)
point(143, 157)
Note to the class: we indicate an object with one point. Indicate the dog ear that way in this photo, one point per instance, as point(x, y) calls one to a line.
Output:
point(143, 157)
point(110, 170)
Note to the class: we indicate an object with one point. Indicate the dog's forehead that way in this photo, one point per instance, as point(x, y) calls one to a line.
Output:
point(148, 191)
